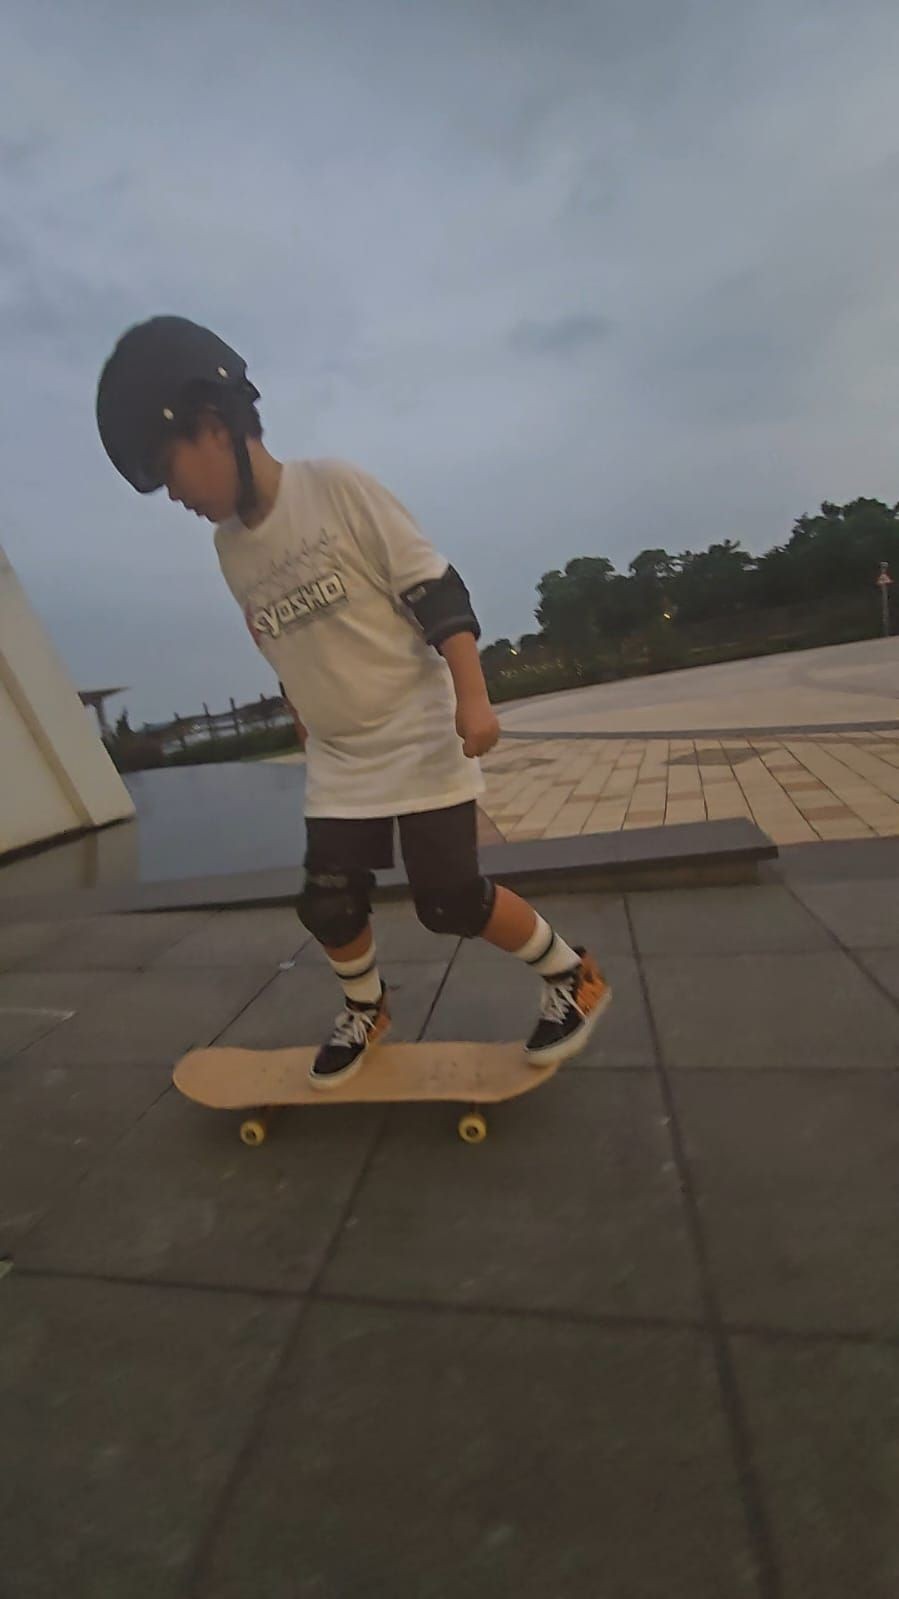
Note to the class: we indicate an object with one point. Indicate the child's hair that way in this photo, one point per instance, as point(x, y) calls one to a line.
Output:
point(236, 409)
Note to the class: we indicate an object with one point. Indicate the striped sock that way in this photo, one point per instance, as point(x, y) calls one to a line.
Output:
point(360, 978)
point(545, 952)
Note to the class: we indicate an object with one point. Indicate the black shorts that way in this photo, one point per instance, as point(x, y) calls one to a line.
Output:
point(439, 847)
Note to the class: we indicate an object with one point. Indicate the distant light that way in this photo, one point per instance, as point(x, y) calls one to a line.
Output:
point(667, 615)
point(513, 652)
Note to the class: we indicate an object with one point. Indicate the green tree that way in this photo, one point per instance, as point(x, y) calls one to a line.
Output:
point(573, 604)
point(653, 576)
point(496, 656)
point(841, 547)
point(588, 613)
point(713, 582)
point(531, 646)
point(655, 566)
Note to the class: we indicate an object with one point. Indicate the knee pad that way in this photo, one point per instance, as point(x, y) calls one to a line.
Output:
point(463, 911)
point(335, 906)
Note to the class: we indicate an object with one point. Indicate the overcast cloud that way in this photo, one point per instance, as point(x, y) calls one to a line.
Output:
point(571, 278)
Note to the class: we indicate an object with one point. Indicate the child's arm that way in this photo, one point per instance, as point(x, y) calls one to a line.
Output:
point(476, 722)
point(432, 594)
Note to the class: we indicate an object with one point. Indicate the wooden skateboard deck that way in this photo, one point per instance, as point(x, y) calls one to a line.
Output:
point(264, 1080)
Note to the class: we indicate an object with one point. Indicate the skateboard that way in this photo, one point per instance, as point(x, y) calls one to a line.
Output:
point(263, 1081)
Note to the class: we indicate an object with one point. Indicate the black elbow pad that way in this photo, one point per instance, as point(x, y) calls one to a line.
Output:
point(442, 607)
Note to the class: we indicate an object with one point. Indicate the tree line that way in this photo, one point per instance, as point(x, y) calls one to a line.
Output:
point(596, 622)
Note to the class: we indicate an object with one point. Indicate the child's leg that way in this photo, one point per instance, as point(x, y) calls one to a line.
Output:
point(512, 921)
point(335, 903)
point(575, 993)
point(366, 1017)
point(516, 927)
point(335, 906)
point(440, 850)
point(356, 967)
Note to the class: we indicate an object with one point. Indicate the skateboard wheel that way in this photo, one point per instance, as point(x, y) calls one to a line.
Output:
point(253, 1131)
point(472, 1128)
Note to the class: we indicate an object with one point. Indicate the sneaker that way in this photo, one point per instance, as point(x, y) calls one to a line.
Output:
point(571, 1006)
point(357, 1029)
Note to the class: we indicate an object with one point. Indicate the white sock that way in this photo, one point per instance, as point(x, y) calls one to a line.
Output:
point(545, 952)
point(360, 978)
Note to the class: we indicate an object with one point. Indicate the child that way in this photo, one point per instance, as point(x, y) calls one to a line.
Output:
point(374, 640)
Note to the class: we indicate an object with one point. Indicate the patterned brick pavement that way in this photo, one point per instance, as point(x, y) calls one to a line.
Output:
point(797, 787)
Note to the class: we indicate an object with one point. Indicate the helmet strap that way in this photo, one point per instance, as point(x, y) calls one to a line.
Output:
point(246, 490)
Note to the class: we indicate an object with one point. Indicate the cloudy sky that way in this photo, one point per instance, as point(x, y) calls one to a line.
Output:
point(573, 278)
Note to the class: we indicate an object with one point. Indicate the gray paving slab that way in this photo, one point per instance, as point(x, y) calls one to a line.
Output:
point(597, 921)
point(571, 1204)
point(883, 964)
point(824, 1424)
point(493, 997)
point(180, 1199)
point(54, 1122)
point(849, 860)
point(36, 1004)
point(239, 938)
point(724, 921)
point(864, 914)
point(27, 940)
point(796, 1177)
point(116, 943)
point(431, 1455)
point(299, 1006)
point(770, 1010)
point(152, 1017)
point(123, 1411)
point(23, 1025)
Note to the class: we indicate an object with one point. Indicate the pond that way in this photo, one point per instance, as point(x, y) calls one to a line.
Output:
point(192, 821)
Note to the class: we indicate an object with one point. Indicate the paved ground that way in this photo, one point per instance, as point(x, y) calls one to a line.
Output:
point(642, 1344)
point(849, 683)
point(835, 778)
point(798, 788)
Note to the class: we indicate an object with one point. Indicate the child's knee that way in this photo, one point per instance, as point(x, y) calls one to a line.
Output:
point(462, 909)
point(335, 906)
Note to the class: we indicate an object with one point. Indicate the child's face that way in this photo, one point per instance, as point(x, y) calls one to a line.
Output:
point(201, 473)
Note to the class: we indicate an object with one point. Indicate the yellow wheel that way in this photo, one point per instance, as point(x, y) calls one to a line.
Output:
point(472, 1128)
point(254, 1130)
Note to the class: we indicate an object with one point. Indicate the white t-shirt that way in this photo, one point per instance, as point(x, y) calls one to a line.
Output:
point(319, 584)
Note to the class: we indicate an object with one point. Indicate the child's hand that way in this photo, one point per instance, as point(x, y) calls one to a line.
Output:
point(477, 726)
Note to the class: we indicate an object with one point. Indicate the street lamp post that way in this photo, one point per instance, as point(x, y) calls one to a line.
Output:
point(884, 582)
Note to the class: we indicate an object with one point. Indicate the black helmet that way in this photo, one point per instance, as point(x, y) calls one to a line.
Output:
point(149, 386)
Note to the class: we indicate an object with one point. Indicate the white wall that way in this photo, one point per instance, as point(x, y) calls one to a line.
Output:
point(55, 775)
